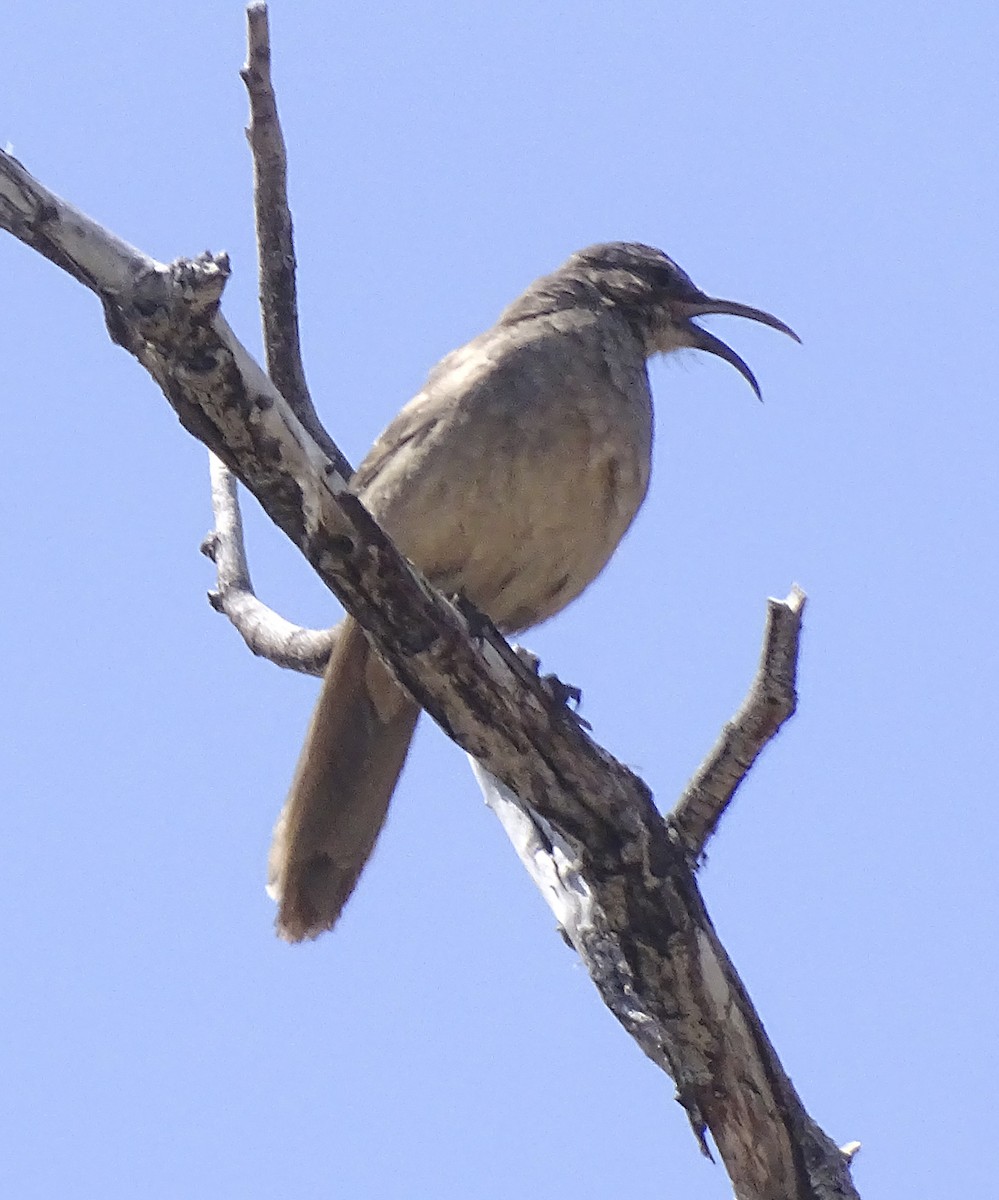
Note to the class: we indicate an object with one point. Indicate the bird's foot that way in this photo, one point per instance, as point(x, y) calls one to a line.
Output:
point(479, 625)
point(562, 695)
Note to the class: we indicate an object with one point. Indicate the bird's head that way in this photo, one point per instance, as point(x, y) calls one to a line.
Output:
point(659, 300)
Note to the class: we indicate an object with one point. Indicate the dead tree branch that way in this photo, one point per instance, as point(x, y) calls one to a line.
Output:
point(770, 702)
point(265, 632)
point(275, 241)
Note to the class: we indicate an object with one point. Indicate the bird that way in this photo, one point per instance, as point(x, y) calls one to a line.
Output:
point(509, 479)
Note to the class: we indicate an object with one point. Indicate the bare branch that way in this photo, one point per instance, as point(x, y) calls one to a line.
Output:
point(275, 243)
point(639, 925)
point(642, 930)
point(94, 256)
point(265, 632)
point(770, 702)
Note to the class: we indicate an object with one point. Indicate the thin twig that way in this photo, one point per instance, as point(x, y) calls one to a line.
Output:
point(771, 700)
point(275, 242)
point(266, 633)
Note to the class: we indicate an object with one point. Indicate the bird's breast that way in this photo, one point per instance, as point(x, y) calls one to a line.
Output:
point(516, 488)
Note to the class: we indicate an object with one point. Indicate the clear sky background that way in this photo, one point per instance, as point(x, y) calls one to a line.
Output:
point(834, 164)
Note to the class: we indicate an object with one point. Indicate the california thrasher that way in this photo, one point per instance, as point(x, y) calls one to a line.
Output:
point(510, 478)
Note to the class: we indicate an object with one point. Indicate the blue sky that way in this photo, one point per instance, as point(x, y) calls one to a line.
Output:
point(835, 166)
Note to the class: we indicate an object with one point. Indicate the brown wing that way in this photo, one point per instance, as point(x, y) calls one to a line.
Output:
point(440, 395)
point(409, 427)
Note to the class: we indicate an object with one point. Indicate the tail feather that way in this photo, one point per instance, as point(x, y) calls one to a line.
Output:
point(354, 751)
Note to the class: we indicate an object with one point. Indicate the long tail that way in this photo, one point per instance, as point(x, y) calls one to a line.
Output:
point(354, 751)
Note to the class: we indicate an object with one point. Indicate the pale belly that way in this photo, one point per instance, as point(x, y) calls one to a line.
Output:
point(522, 528)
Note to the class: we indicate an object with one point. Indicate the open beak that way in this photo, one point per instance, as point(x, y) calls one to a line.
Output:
point(700, 339)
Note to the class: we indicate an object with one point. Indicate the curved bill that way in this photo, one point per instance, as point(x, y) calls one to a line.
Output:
point(701, 339)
